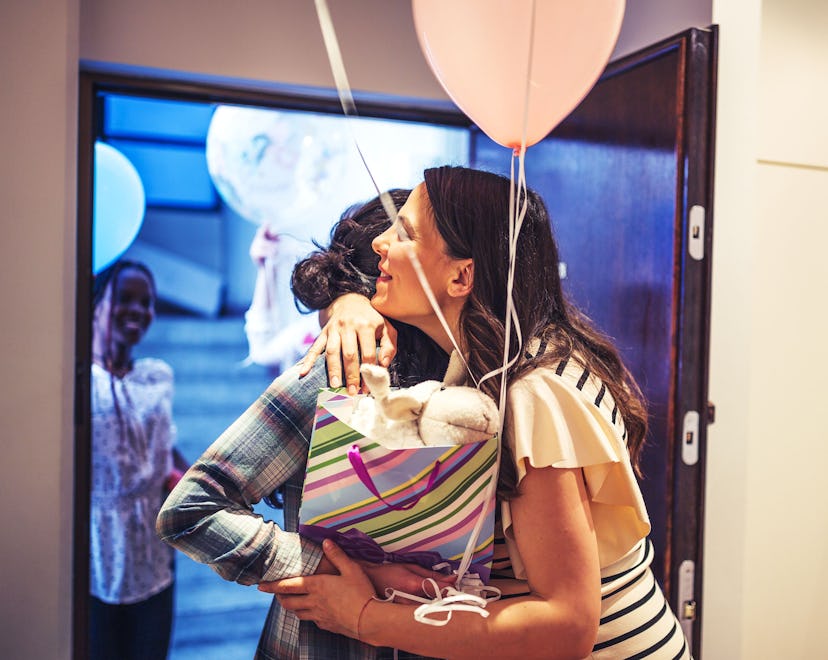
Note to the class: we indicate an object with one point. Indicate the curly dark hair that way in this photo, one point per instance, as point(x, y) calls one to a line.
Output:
point(349, 265)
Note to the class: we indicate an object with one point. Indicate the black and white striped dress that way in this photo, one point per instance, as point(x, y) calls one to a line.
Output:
point(563, 416)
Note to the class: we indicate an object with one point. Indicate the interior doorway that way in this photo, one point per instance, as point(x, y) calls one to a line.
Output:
point(195, 236)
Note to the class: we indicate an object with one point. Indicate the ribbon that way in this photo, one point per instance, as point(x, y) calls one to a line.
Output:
point(358, 545)
point(449, 600)
point(362, 472)
point(469, 594)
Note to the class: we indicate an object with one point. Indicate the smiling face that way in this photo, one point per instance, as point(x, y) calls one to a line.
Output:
point(125, 313)
point(399, 294)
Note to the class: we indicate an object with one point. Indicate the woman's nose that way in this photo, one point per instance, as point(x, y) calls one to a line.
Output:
point(380, 243)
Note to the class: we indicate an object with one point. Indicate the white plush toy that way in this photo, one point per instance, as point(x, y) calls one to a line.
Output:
point(430, 413)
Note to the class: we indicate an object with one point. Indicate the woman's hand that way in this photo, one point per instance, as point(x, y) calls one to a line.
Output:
point(406, 578)
point(333, 602)
point(351, 330)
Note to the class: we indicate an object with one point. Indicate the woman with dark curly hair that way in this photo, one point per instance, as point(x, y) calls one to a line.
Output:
point(209, 515)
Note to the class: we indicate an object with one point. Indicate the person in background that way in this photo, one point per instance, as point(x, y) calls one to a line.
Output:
point(275, 338)
point(209, 515)
point(572, 522)
point(134, 465)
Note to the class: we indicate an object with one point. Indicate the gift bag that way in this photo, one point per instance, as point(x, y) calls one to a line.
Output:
point(416, 505)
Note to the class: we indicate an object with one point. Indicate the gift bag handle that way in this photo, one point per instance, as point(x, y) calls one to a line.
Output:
point(362, 472)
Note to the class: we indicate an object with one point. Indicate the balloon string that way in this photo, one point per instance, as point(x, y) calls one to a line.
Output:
point(346, 99)
point(349, 108)
point(517, 211)
point(528, 88)
point(518, 204)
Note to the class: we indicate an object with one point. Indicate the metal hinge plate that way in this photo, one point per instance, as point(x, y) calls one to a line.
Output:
point(695, 238)
point(686, 598)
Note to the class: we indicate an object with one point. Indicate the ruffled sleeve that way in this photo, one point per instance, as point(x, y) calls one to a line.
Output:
point(551, 423)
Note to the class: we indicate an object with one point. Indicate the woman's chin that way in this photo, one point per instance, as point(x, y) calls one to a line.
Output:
point(378, 302)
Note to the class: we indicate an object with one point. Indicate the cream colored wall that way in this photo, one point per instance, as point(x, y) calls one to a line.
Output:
point(767, 523)
point(735, 207)
point(786, 540)
point(787, 513)
point(38, 134)
point(793, 92)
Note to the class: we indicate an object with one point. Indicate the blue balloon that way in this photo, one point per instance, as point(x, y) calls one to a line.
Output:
point(118, 208)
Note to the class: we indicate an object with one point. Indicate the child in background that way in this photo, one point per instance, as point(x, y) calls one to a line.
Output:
point(134, 464)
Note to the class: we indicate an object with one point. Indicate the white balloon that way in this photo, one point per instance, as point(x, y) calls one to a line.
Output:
point(119, 206)
point(277, 168)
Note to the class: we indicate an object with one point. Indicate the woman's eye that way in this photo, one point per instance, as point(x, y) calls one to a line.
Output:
point(402, 234)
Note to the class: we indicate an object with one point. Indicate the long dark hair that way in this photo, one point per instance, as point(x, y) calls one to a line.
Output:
point(470, 209)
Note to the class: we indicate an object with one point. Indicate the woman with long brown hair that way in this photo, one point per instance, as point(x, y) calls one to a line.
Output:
point(572, 518)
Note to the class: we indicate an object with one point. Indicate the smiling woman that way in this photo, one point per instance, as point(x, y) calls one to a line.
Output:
point(131, 572)
point(399, 293)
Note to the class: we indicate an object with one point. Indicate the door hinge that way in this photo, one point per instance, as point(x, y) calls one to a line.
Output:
point(695, 239)
point(690, 438)
point(687, 606)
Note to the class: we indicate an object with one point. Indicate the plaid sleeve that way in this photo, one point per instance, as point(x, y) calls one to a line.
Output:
point(209, 514)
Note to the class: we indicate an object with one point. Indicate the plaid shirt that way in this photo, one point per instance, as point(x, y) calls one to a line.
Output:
point(209, 514)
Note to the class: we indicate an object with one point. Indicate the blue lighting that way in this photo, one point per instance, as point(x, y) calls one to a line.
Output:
point(165, 141)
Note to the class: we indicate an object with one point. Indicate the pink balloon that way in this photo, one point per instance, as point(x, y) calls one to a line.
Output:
point(479, 51)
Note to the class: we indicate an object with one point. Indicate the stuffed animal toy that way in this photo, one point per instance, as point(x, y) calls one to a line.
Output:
point(430, 413)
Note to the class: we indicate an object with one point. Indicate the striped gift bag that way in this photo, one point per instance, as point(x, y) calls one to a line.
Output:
point(415, 505)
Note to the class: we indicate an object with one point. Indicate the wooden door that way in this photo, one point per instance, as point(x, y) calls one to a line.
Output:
point(628, 181)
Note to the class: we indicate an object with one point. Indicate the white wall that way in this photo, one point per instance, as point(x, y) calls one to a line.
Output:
point(767, 523)
point(267, 40)
point(735, 207)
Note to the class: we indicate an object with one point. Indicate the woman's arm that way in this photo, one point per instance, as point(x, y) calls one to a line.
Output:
point(349, 337)
point(558, 619)
point(209, 515)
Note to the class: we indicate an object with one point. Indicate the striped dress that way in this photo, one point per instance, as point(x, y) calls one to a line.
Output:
point(563, 416)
